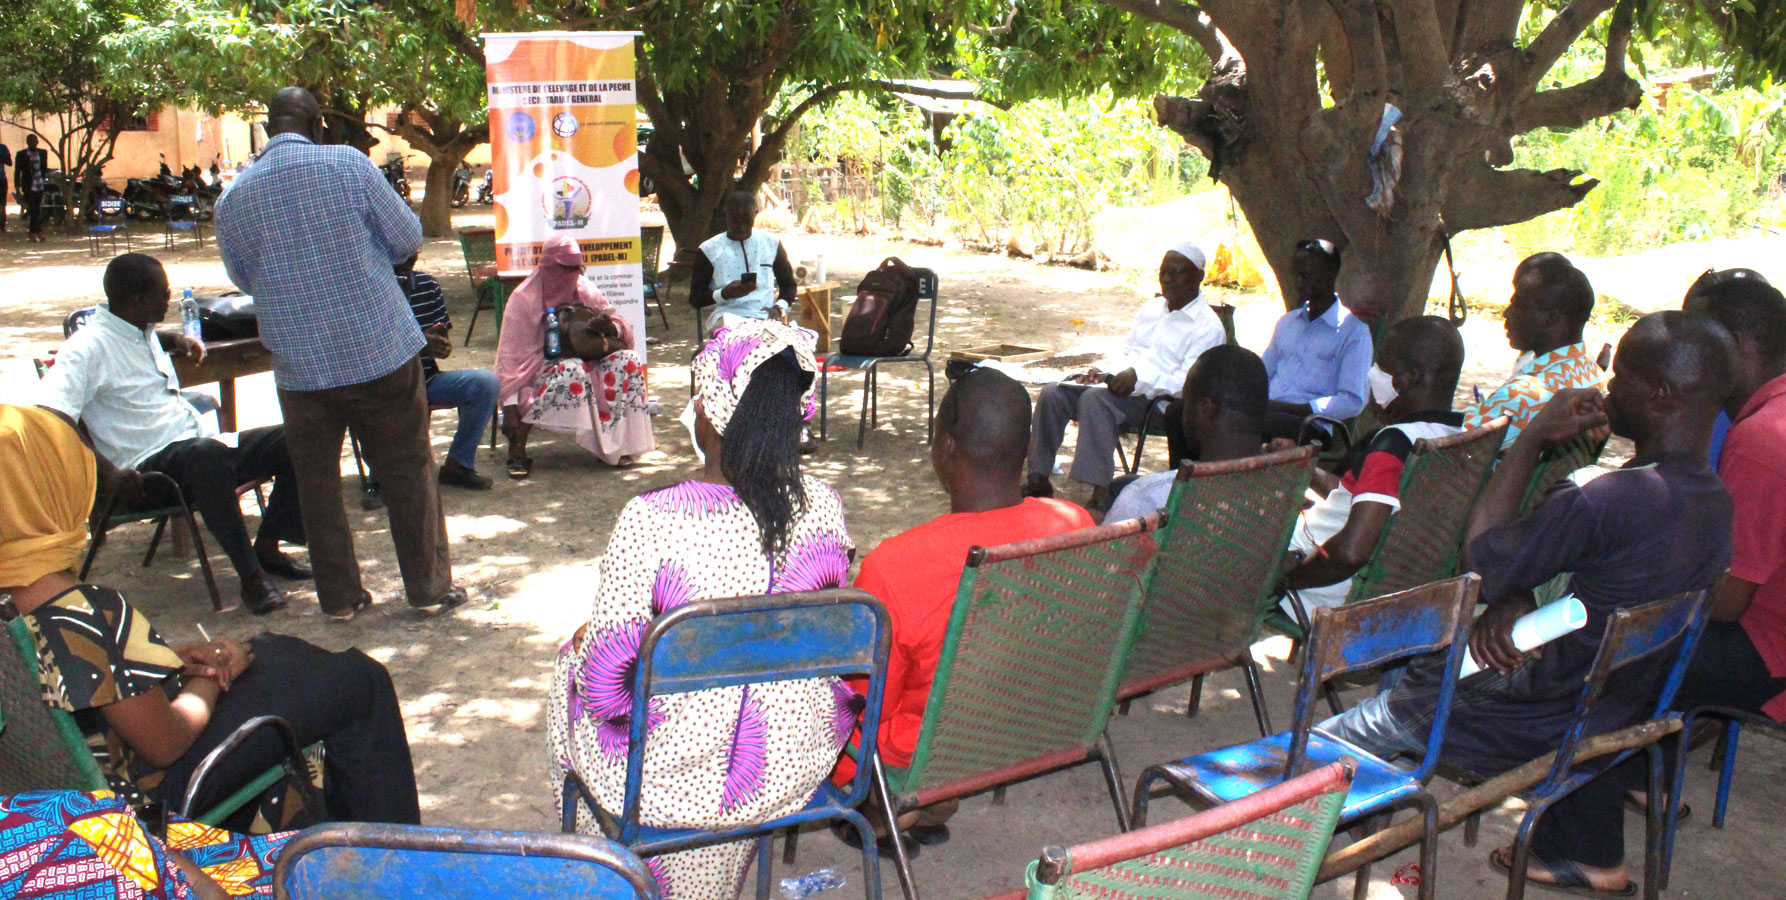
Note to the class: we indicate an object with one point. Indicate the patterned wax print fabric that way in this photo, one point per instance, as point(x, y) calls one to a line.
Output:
point(717, 758)
point(601, 404)
point(93, 650)
point(723, 368)
point(66, 845)
point(1532, 385)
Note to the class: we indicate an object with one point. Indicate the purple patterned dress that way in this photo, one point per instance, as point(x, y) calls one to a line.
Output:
point(717, 758)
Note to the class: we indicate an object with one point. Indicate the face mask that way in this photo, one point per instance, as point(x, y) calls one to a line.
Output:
point(1382, 387)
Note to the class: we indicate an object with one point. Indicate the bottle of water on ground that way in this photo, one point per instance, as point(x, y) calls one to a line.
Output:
point(189, 321)
point(815, 882)
point(554, 348)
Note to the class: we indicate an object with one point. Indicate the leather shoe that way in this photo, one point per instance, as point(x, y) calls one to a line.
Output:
point(452, 599)
point(261, 597)
point(286, 567)
point(457, 475)
point(883, 846)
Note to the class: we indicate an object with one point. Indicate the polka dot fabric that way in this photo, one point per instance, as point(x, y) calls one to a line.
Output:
point(723, 368)
point(713, 759)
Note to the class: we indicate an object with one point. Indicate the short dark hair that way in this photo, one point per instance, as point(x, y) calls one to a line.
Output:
point(1232, 376)
point(1325, 250)
point(1750, 306)
point(1433, 345)
point(1692, 351)
point(987, 414)
point(738, 198)
point(130, 276)
point(1561, 286)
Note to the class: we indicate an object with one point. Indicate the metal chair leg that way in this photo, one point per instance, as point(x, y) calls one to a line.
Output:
point(204, 559)
point(1472, 827)
point(763, 865)
point(1522, 850)
point(930, 407)
point(1257, 691)
point(1196, 703)
point(868, 394)
point(155, 541)
point(1113, 780)
point(1652, 826)
point(790, 844)
point(1429, 845)
point(824, 385)
point(1671, 823)
point(1361, 876)
point(907, 885)
point(1726, 770)
point(1138, 803)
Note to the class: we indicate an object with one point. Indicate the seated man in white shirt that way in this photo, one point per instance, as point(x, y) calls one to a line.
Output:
point(1170, 332)
point(114, 377)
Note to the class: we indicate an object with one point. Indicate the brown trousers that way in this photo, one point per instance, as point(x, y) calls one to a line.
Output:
point(390, 417)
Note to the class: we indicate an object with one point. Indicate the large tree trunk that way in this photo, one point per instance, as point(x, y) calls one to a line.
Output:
point(1299, 167)
point(436, 210)
point(446, 141)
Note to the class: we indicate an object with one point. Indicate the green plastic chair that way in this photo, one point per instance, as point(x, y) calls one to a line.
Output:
point(479, 247)
point(1036, 646)
point(1268, 846)
point(41, 747)
point(1227, 529)
point(1556, 464)
point(651, 245)
point(1423, 541)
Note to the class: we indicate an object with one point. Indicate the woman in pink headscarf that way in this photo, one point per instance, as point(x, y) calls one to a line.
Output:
point(595, 392)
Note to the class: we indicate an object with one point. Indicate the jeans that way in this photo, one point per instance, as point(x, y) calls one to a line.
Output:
point(473, 393)
point(1369, 726)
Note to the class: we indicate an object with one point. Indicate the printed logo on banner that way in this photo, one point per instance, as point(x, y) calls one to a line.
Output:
point(564, 125)
point(567, 203)
point(521, 127)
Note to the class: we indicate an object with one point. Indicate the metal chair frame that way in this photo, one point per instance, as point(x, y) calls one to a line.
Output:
point(870, 367)
point(107, 209)
point(1108, 590)
point(1633, 635)
point(1344, 639)
point(1725, 762)
point(1222, 548)
point(707, 644)
point(111, 517)
point(398, 853)
point(183, 203)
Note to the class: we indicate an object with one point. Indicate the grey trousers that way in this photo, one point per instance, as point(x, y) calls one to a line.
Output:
point(390, 417)
point(1100, 414)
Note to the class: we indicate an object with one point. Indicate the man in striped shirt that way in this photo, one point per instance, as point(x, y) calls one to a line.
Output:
point(470, 391)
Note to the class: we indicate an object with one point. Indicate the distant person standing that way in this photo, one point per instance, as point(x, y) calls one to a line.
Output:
point(30, 176)
point(313, 233)
point(5, 160)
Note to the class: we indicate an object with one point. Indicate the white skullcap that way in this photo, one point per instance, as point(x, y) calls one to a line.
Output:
point(1192, 251)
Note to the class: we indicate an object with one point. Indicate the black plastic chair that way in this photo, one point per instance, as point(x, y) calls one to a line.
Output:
point(870, 367)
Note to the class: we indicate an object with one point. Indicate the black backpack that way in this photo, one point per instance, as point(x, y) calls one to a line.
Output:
point(881, 320)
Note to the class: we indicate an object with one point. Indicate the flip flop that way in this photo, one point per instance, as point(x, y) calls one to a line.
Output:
point(1641, 807)
point(521, 467)
point(1569, 877)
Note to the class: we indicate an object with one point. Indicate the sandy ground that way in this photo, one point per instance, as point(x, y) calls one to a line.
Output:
point(473, 684)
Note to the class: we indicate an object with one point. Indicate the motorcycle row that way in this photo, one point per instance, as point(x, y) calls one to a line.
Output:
point(396, 176)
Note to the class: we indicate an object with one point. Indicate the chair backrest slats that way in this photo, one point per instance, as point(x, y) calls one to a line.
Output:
point(751, 640)
point(40, 748)
point(1039, 634)
point(651, 245)
point(1266, 845)
point(363, 860)
point(1555, 465)
point(1227, 529)
point(478, 245)
point(1423, 541)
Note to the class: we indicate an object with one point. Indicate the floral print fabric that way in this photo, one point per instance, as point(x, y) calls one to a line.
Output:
point(602, 404)
point(717, 758)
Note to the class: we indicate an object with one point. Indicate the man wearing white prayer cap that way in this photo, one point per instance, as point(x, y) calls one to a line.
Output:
point(1319, 359)
point(1169, 333)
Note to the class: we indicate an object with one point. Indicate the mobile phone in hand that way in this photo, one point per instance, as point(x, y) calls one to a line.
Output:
point(749, 280)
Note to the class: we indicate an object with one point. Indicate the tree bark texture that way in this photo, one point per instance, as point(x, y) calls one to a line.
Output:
point(1298, 162)
point(446, 141)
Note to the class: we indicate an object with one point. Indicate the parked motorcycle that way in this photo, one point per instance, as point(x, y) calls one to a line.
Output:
point(461, 186)
point(94, 183)
point(396, 176)
point(487, 190)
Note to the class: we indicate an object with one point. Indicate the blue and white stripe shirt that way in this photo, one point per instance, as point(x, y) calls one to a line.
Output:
point(312, 233)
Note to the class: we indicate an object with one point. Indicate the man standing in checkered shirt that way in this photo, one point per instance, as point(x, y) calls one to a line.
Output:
point(312, 232)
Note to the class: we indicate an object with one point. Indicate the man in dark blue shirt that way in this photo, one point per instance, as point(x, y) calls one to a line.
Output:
point(1652, 529)
point(470, 391)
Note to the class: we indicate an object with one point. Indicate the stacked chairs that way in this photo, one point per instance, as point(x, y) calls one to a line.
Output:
point(1423, 542)
point(1227, 529)
point(359, 861)
point(1035, 649)
point(741, 641)
point(1347, 639)
point(1266, 845)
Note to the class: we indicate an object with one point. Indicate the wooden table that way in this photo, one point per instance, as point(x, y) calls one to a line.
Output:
point(815, 311)
point(226, 361)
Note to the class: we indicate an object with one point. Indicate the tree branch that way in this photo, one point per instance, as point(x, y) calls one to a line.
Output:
point(1423, 48)
point(1481, 197)
point(1187, 18)
point(1558, 35)
point(1604, 94)
point(996, 30)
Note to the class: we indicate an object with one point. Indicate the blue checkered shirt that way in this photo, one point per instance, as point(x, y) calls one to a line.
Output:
point(312, 232)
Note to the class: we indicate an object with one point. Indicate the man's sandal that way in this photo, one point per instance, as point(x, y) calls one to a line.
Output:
point(520, 467)
point(1569, 878)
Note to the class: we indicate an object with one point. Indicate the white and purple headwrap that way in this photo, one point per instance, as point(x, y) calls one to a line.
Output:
point(723, 368)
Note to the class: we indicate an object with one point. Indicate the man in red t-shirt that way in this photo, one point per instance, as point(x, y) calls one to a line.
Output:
point(1741, 660)
point(982, 438)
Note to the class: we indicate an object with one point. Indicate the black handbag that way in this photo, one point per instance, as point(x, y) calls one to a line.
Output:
point(227, 317)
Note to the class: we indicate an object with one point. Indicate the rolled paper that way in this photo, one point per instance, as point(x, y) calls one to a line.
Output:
point(1537, 628)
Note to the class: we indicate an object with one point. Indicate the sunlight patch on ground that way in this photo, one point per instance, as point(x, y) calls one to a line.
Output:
point(482, 527)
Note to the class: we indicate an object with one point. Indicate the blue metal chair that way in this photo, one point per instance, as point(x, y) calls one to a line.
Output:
point(1644, 636)
point(1347, 639)
point(870, 367)
point(362, 862)
point(753, 640)
point(1734, 720)
point(109, 220)
point(182, 215)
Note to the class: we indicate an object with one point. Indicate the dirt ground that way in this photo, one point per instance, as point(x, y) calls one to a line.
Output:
point(473, 684)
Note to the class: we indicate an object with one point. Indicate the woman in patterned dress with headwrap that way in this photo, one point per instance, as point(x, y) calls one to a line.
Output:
point(750, 523)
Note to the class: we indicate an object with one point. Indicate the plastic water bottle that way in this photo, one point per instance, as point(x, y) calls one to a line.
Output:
point(189, 321)
point(554, 340)
point(819, 264)
point(815, 882)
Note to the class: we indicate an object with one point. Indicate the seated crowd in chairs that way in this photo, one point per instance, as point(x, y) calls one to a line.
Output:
point(997, 642)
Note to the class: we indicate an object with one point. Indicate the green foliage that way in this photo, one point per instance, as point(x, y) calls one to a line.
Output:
point(1038, 172)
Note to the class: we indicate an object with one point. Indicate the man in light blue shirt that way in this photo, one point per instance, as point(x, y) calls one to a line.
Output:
point(312, 232)
point(1320, 355)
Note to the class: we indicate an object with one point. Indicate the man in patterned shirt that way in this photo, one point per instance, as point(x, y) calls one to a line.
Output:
point(312, 232)
point(1551, 303)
